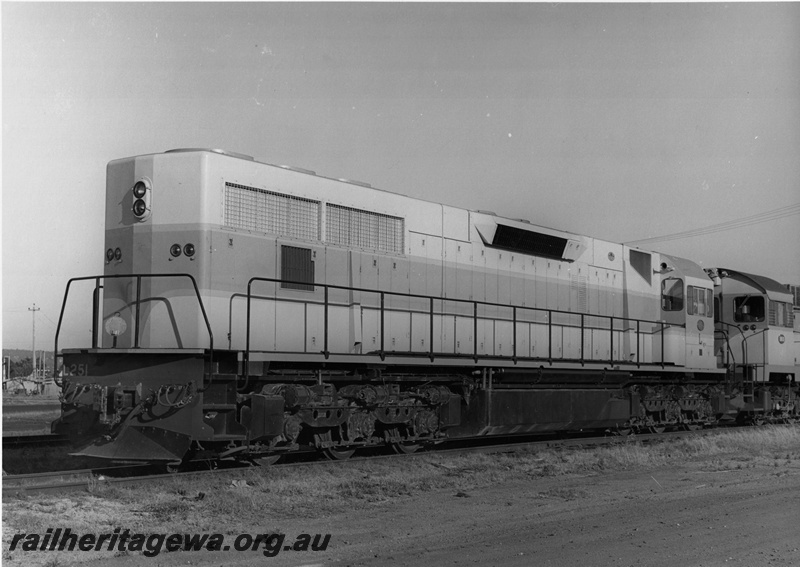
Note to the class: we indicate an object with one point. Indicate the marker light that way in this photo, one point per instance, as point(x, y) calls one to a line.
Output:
point(189, 250)
point(117, 254)
point(109, 255)
point(175, 250)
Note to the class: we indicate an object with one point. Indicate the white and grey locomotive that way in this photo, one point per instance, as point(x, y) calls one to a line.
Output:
point(247, 310)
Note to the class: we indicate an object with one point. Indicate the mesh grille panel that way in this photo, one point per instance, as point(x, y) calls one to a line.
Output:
point(297, 266)
point(780, 314)
point(795, 289)
point(578, 286)
point(364, 229)
point(259, 210)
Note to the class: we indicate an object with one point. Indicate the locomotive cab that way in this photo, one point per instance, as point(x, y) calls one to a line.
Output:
point(687, 308)
point(754, 322)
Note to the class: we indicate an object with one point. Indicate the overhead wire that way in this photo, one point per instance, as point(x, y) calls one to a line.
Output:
point(768, 216)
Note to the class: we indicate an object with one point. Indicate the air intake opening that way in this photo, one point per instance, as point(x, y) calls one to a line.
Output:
point(529, 242)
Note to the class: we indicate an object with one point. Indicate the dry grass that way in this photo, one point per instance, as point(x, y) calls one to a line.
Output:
point(235, 504)
point(318, 489)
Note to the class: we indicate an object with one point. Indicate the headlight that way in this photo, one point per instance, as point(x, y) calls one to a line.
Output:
point(141, 191)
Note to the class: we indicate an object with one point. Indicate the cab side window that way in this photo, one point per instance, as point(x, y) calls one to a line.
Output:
point(749, 308)
point(672, 294)
point(699, 301)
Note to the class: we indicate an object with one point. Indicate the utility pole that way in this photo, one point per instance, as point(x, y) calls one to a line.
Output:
point(34, 309)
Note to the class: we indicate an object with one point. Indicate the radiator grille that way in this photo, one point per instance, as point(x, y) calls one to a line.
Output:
point(364, 229)
point(781, 314)
point(579, 300)
point(259, 210)
point(297, 266)
point(795, 291)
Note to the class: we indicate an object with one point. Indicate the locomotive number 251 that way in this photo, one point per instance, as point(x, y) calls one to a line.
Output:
point(77, 369)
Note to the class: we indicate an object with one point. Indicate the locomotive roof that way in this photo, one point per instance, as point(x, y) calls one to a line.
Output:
point(766, 285)
point(355, 182)
point(686, 266)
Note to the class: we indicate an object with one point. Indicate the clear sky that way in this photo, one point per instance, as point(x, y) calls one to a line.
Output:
point(620, 121)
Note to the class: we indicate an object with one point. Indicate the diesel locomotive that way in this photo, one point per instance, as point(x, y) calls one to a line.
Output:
point(248, 310)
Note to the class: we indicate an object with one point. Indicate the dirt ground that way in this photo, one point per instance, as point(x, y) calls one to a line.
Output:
point(692, 514)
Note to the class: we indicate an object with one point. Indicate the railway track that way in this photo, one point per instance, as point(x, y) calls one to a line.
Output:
point(26, 441)
point(18, 483)
point(91, 479)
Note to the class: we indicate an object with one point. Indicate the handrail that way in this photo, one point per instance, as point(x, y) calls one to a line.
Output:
point(137, 322)
point(475, 303)
point(744, 340)
point(728, 350)
point(95, 311)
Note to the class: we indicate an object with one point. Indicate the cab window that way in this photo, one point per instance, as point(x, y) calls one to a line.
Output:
point(748, 308)
point(699, 301)
point(672, 294)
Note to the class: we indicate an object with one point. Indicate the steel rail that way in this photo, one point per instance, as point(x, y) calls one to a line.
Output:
point(76, 472)
point(494, 445)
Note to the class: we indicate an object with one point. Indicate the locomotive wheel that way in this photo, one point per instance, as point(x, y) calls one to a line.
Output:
point(657, 428)
point(405, 448)
point(338, 454)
